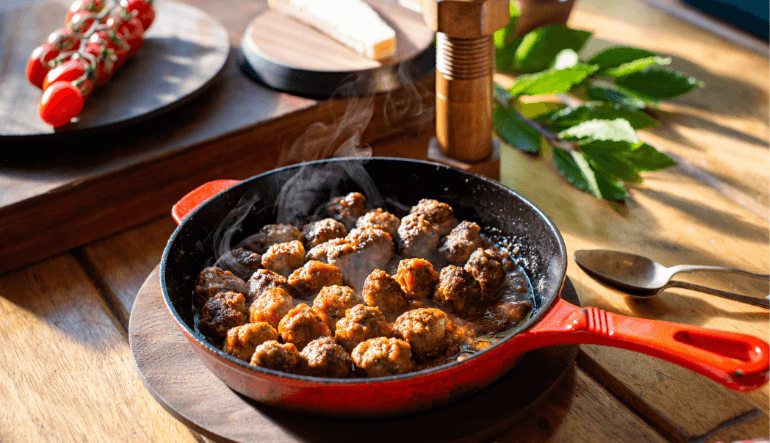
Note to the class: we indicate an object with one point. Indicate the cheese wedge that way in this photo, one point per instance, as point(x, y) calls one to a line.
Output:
point(351, 22)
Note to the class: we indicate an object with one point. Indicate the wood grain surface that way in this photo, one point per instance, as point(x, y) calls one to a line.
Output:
point(182, 53)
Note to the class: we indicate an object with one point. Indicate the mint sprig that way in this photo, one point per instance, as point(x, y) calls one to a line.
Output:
point(595, 145)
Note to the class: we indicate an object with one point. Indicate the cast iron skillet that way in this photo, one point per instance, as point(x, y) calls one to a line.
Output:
point(735, 360)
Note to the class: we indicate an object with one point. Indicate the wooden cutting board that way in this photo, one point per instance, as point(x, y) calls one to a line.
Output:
point(291, 56)
point(180, 382)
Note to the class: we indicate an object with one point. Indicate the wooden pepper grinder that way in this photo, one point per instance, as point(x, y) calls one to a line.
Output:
point(464, 87)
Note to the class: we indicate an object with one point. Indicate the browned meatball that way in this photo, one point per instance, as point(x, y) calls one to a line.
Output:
point(283, 258)
point(270, 235)
point(262, 280)
point(323, 357)
point(417, 237)
point(383, 291)
point(213, 280)
point(381, 357)
point(486, 266)
point(271, 307)
point(242, 262)
point(331, 250)
point(458, 290)
point(322, 231)
point(347, 209)
point(277, 356)
point(424, 330)
point(221, 312)
point(242, 340)
point(302, 325)
point(313, 276)
point(332, 302)
point(361, 323)
point(379, 219)
point(417, 278)
point(458, 246)
point(440, 214)
point(373, 248)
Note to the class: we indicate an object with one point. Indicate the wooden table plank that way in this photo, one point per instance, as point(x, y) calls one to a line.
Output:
point(66, 372)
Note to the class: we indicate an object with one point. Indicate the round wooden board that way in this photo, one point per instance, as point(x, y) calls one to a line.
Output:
point(182, 54)
point(285, 54)
point(180, 382)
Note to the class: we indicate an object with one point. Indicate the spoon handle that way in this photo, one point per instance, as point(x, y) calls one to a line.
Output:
point(690, 268)
point(763, 302)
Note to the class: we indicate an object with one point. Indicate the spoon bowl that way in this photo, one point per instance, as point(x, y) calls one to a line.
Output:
point(641, 277)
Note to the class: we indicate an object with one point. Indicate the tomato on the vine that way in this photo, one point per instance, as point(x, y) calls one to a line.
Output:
point(142, 9)
point(81, 21)
point(83, 5)
point(75, 70)
point(118, 46)
point(105, 62)
point(61, 102)
point(64, 39)
point(37, 69)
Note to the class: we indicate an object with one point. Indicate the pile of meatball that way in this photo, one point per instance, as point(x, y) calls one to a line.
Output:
point(356, 294)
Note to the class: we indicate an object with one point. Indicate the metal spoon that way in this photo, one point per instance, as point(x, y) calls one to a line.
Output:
point(642, 277)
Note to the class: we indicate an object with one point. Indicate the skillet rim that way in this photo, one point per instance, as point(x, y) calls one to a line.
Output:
point(546, 299)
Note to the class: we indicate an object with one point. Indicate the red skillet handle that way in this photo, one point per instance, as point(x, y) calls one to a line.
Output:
point(737, 361)
point(197, 196)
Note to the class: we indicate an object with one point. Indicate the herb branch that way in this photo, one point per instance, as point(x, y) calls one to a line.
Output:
point(595, 146)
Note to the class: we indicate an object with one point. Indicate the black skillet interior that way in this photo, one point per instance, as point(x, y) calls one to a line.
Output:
point(503, 215)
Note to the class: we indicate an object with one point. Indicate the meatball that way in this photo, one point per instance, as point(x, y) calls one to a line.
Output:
point(277, 356)
point(221, 312)
point(242, 340)
point(283, 258)
point(347, 209)
point(440, 214)
point(417, 278)
point(323, 231)
point(270, 235)
point(486, 266)
point(323, 357)
point(213, 280)
point(373, 248)
point(458, 290)
point(417, 237)
point(301, 326)
point(424, 330)
point(271, 307)
point(379, 219)
point(361, 323)
point(331, 250)
point(242, 262)
point(262, 280)
point(458, 246)
point(313, 276)
point(383, 291)
point(381, 357)
point(332, 302)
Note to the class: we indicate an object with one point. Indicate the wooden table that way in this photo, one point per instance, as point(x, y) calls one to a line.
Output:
point(66, 371)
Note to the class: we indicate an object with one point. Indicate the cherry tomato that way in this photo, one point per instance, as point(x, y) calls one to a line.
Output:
point(142, 9)
point(37, 70)
point(81, 21)
point(83, 5)
point(134, 34)
point(105, 62)
point(61, 102)
point(75, 71)
point(64, 39)
point(118, 46)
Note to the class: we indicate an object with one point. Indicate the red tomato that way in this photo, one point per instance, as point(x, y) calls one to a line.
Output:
point(81, 21)
point(61, 102)
point(74, 70)
point(142, 9)
point(134, 34)
point(64, 39)
point(105, 62)
point(118, 46)
point(37, 64)
point(83, 5)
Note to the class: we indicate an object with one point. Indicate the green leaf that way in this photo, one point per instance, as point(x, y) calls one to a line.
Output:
point(506, 56)
point(615, 130)
point(551, 81)
point(502, 36)
point(576, 170)
point(658, 84)
point(610, 189)
point(614, 95)
point(612, 163)
point(539, 48)
point(647, 158)
point(635, 66)
point(564, 118)
point(515, 131)
point(501, 94)
point(566, 58)
point(618, 56)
